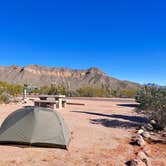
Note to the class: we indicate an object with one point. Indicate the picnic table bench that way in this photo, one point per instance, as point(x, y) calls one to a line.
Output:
point(51, 101)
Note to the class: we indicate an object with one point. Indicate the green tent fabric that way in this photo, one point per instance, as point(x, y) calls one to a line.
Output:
point(35, 126)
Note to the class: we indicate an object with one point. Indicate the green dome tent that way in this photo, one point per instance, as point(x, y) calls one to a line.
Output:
point(35, 126)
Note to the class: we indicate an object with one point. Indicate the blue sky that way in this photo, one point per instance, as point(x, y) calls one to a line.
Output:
point(125, 38)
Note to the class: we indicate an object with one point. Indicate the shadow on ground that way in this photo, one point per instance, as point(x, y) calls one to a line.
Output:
point(119, 121)
point(128, 163)
point(137, 119)
point(114, 123)
point(92, 113)
point(16, 145)
point(128, 105)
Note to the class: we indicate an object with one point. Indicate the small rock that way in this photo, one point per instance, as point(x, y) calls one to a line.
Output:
point(149, 127)
point(134, 162)
point(142, 156)
point(140, 131)
point(157, 126)
point(137, 162)
point(147, 151)
point(146, 134)
point(151, 133)
point(153, 122)
point(140, 141)
point(143, 128)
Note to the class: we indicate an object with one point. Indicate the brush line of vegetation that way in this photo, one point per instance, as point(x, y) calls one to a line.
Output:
point(87, 91)
point(152, 101)
point(7, 90)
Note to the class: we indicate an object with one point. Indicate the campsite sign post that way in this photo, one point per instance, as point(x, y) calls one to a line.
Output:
point(25, 92)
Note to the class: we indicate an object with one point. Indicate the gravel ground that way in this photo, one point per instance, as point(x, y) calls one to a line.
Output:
point(101, 134)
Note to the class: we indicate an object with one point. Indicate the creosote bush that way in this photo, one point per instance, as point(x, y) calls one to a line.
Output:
point(8, 90)
point(4, 98)
point(93, 92)
point(152, 101)
point(11, 89)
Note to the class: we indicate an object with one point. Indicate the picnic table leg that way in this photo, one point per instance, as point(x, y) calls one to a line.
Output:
point(60, 103)
point(64, 102)
point(54, 106)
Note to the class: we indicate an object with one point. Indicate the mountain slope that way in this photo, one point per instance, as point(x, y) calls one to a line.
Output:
point(72, 79)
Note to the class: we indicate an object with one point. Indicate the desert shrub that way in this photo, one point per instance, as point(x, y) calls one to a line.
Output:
point(105, 92)
point(55, 90)
point(72, 93)
point(43, 90)
point(4, 98)
point(3, 87)
point(8, 90)
point(128, 93)
point(123, 93)
point(51, 90)
point(33, 91)
point(93, 92)
point(12, 89)
point(115, 93)
point(152, 101)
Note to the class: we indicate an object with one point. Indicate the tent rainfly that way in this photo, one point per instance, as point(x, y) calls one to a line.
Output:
point(35, 126)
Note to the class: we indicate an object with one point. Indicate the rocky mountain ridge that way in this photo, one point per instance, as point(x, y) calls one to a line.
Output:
point(72, 79)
